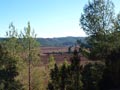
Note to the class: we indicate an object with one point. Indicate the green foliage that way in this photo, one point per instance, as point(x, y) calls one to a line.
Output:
point(102, 26)
point(8, 71)
point(12, 41)
point(92, 76)
point(63, 75)
point(111, 77)
point(97, 17)
point(28, 36)
point(30, 48)
point(23, 46)
point(67, 77)
point(54, 83)
point(51, 62)
point(38, 78)
point(76, 77)
point(66, 63)
point(28, 41)
point(97, 22)
point(83, 43)
point(75, 73)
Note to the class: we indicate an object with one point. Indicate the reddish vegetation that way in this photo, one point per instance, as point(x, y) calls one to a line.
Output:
point(60, 54)
point(53, 49)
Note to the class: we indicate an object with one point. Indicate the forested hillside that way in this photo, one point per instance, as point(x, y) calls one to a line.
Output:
point(61, 41)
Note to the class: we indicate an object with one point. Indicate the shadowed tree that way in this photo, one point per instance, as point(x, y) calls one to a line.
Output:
point(100, 23)
point(8, 70)
point(92, 76)
point(67, 77)
point(97, 22)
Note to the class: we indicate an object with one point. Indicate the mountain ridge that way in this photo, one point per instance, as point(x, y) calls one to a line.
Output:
point(57, 41)
point(60, 41)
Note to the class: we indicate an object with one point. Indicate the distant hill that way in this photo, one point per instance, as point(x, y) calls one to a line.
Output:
point(61, 41)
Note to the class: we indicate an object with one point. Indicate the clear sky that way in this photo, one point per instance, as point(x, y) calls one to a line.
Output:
point(49, 18)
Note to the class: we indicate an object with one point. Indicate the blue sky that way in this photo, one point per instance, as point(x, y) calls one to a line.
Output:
point(49, 18)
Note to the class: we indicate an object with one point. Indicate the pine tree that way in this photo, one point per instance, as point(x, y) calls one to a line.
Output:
point(67, 77)
point(54, 82)
point(24, 46)
point(51, 62)
point(75, 72)
point(63, 77)
point(103, 27)
point(8, 71)
point(92, 76)
point(30, 48)
point(97, 22)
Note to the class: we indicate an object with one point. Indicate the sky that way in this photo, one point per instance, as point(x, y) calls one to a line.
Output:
point(49, 18)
